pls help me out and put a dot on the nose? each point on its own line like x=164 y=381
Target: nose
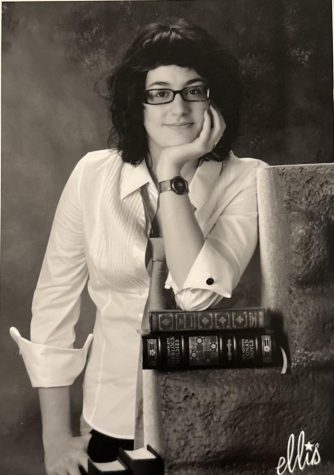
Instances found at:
x=179 y=105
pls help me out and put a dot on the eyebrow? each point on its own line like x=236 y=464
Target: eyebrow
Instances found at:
x=163 y=83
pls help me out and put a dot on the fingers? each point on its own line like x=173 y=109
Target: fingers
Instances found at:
x=73 y=462
x=73 y=467
x=75 y=470
x=79 y=459
x=212 y=129
x=218 y=126
x=83 y=461
x=204 y=136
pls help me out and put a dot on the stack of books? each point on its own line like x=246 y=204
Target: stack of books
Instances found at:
x=130 y=462
x=228 y=338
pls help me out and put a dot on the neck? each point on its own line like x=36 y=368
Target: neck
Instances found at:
x=152 y=161
x=152 y=166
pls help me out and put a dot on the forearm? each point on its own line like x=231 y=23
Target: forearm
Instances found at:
x=183 y=237
x=56 y=413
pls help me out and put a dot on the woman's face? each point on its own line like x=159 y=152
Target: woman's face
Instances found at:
x=176 y=122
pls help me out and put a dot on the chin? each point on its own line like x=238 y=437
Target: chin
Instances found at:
x=174 y=139
x=175 y=142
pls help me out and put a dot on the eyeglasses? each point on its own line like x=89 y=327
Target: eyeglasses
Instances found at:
x=189 y=94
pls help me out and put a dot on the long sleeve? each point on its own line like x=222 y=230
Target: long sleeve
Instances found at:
x=229 y=245
x=49 y=357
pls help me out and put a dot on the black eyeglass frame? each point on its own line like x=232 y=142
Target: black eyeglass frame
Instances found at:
x=180 y=91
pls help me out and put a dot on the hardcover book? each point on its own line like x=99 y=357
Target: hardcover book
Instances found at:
x=189 y=350
x=142 y=461
x=226 y=319
x=116 y=467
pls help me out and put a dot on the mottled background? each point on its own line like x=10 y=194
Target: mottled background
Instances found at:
x=54 y=59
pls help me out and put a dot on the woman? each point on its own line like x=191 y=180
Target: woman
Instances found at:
x=174 y=100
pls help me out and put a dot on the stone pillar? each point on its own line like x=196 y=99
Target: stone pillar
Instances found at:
x=238 y=422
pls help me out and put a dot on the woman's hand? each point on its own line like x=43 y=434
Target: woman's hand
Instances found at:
x=173 y=158
x=65 y=454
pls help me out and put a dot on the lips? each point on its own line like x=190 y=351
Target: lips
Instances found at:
x=181 y=124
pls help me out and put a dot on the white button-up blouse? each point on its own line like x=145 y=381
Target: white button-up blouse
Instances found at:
x=99 y=233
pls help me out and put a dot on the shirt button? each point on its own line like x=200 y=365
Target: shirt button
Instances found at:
x=209 y=281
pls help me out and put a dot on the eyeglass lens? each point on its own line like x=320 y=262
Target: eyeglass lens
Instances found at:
x=189 y=94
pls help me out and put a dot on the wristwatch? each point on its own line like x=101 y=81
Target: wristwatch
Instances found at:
x=177 y=184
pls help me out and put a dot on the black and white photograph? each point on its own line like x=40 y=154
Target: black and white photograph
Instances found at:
x=167 y=237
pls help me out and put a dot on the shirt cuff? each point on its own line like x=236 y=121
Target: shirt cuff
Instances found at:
x=211 y=271
x=196 y=299
x=50 y=366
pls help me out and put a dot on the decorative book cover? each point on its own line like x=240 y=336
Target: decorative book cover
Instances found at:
x=194 y=350
x=225 y=319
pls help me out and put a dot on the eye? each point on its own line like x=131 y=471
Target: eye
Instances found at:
x=196 y=90
x=158 y=96
x=159 y=93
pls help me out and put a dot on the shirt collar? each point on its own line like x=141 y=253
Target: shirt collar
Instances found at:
x=134 y=177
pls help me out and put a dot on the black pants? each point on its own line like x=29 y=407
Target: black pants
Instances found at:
x=103 y=448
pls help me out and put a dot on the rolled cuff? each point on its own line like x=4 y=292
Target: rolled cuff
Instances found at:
x=211 y=271
x=50 y=366
x=197 y=300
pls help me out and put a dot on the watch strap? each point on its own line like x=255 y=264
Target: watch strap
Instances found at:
x=177 y=184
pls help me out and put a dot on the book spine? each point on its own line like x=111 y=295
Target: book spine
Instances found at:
x=178 y=351
x=228 y=319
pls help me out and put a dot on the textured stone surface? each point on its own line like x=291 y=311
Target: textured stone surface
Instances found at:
x=247 y=469
x=239 y=421
x=223 y=416
x=296 y=218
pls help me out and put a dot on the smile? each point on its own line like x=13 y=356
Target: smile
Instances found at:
x=183 y=124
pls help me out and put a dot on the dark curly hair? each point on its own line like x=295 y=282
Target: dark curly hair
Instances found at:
x=173 y=43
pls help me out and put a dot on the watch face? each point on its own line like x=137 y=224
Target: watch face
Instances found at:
x=179 y=185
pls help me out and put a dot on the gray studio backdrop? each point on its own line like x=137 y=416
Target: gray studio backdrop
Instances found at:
x=54 y=58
